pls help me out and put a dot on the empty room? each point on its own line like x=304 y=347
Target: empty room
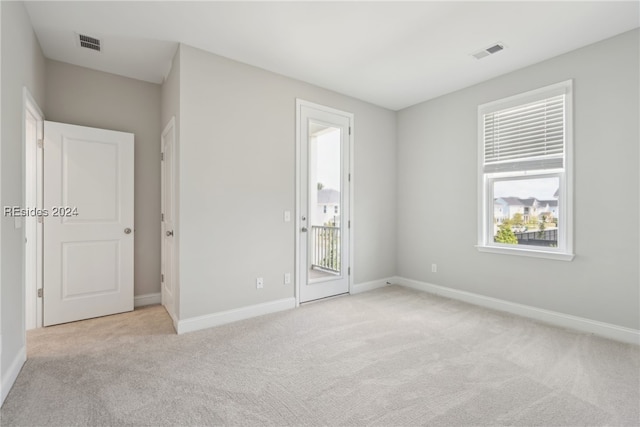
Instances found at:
x=320 y=213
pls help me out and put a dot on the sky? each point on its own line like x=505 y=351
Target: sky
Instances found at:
x=540 y=188
x=329 y=159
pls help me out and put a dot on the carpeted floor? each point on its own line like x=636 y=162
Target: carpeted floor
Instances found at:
x=388 y=357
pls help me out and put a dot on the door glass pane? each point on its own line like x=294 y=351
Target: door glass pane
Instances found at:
x=325 y=201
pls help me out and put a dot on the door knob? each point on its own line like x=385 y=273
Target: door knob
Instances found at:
x=169 y=233
x=127 y=230
x=304 y=229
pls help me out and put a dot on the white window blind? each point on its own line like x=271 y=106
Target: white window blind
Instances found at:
x=525 y=137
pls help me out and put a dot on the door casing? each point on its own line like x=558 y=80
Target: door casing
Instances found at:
x=32 y=197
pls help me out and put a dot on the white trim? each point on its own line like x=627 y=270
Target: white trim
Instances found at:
x=223 y=317
x=533 y=253
x=485 y=243
x=352 y=197
x=369 y=286
x=12 y=373
x=147 y=299
x=34 y=304
x=351 y=217
x=607 y=330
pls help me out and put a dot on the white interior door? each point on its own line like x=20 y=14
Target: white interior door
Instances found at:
x=168 y=219
x=88 y=230
x=324 y=219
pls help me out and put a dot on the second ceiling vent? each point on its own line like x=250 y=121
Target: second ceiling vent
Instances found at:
x=89 y=42
x=489 y=51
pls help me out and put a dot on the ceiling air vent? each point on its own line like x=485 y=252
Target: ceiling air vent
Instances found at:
x=488 y=51
x=89 y=42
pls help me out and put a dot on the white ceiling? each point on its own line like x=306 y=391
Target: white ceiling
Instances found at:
x=392 y=54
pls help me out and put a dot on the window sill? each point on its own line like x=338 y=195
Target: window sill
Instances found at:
x=561 y=256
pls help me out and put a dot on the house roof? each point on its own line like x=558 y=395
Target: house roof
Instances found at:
x=529 y=202
x=328 y=196
x=511 y=201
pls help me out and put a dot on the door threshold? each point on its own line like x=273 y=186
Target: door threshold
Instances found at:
x=325 y=298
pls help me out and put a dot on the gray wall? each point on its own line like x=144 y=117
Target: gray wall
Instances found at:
x=85 y=97
x=237 y=154
x=437 y=190
x=22 y=65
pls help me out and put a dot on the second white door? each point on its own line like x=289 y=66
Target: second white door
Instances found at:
x=168 y=249
x=324 y=219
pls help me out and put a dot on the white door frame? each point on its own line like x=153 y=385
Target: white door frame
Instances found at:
x=299 y=141
x=32 y=198
x=171 y=306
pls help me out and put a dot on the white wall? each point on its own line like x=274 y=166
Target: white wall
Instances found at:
x=85 y=97
x=237 y=157
x=22 y=65
x=437 y=166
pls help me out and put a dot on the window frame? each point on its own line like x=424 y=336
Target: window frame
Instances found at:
x=486 y=180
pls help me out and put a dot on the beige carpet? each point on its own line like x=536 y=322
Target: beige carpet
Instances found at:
x=389 y=357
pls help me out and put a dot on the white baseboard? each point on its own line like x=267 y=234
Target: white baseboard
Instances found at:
x=369 y=286
x=223 y=317
x=607 y=330
x=12 y=373
x=147 y=299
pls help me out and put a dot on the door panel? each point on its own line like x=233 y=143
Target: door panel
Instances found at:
x=324 y=202
x=168 y=219
x=88 y=232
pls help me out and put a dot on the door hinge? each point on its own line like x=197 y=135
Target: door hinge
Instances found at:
x=161 y=217
x=162 y=278
x=40 y=143
x=161 y=156
x=40 y=293
x=349 y=224
x=349 y=177
x=349 y=130
x=349 y=271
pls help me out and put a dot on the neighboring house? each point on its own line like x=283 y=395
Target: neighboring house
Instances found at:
x=505 y=208
x=549 y=208
x=328 y=206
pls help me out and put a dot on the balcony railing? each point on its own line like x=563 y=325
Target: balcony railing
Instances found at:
x=326 y=248
x=538 y=238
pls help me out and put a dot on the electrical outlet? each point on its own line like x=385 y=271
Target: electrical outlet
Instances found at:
x=287 y=278
x=259 y=283
x=434 y=268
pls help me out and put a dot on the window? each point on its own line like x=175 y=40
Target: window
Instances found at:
x=524 y=174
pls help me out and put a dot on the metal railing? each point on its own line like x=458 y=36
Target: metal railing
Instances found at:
x=538 y=238
x=326 y=248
